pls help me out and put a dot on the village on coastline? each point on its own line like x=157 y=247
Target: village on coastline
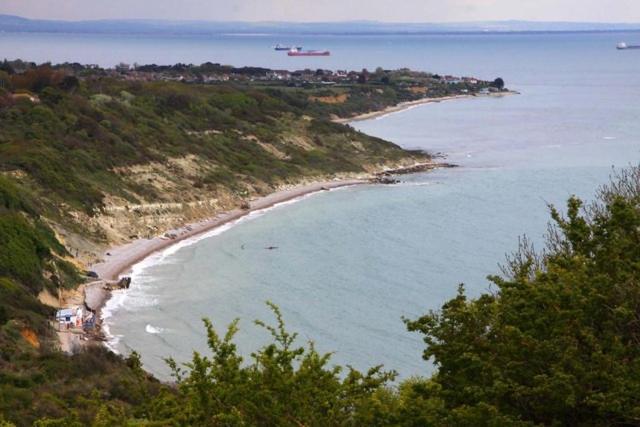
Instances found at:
x=215 y=72
x=410 y=85
x=322 y=95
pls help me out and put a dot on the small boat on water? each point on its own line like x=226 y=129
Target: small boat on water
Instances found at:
x=287 y=48
x=298 y=52
x=623 y=46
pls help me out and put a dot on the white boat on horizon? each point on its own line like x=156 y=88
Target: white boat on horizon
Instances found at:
x=286 y=48
x=623 y=46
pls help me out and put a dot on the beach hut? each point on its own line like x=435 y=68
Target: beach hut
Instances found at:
x=69 y=318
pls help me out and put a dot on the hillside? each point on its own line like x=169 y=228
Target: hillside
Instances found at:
x=89 y=157
x=110 y=158
x=555 y=343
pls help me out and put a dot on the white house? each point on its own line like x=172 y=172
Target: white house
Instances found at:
x=70 y=318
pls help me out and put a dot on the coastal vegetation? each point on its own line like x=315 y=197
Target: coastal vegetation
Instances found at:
x=102 y=153
x=76 y=141
x=72 y=139
x=35 y=378
x=555 y=342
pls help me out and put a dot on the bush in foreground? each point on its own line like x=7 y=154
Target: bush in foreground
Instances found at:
x=558 y=343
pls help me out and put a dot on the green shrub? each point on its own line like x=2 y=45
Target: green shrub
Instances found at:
x=557 y=342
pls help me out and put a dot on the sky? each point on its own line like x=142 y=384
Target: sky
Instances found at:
x=330 y=10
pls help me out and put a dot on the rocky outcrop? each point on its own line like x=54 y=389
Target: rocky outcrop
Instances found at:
x=389 y=176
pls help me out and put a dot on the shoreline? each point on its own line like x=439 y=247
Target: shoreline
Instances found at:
x=410 y=104
x=120 y=259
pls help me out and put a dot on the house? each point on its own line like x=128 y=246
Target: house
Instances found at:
x=278 y=75
x=70 y=318
x=122 y=67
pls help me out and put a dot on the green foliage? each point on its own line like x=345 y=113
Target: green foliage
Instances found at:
x=17 y=302
x=69 y=421
x=557 y=344
x=22 y=250
x=285 y=385
x=92 y=386
x=110 y=415
x=71 y=143
x=63 y=150
x=11 y=199
x=26 y=243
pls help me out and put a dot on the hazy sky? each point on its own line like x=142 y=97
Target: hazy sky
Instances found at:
x=331 y=10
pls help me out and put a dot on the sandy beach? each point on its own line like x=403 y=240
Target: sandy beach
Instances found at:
x=410 y=104
x=119 y=260
x=397 y=108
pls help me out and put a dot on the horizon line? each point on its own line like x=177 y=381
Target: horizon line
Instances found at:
x=348 y=21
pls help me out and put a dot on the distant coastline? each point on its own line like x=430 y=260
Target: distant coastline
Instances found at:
x=12 y=23
x=396 y=108
x=410 y=104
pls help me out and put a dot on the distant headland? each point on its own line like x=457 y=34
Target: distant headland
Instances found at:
x=11 y=23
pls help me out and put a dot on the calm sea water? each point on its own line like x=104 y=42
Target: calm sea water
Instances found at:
x=352 y=262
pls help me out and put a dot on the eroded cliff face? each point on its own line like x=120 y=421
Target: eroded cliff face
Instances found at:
x=112 y=161
x=176 y=200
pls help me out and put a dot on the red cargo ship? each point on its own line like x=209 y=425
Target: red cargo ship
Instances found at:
x=296 y=52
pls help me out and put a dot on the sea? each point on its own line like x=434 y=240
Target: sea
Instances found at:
x=350 y=264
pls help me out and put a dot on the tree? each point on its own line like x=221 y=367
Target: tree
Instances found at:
x=557 y=343
x=5 y=80
x=363 y=77
x=498 y=83
x=36 y=79
x=6 y=67
x=286 y=384
x=69 y=83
